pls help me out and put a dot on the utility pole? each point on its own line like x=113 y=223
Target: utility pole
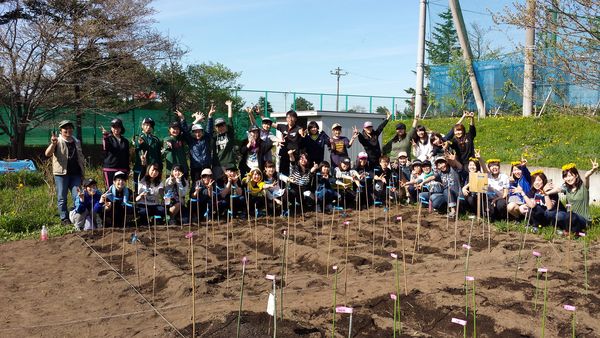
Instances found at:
x=463 y=38
x=338 y=72
x=420 y=60
x=529 y=59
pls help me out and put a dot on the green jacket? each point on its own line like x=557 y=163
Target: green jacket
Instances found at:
x=153 y=145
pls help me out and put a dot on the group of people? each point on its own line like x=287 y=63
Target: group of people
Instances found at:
x=280 y=169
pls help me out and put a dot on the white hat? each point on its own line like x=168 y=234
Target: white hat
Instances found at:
x=336 y=125
x=197 y=127
x=206 y=171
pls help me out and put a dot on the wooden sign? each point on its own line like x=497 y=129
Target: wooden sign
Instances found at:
x=478 y=182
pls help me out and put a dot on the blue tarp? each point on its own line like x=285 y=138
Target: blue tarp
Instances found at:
x=14 y=166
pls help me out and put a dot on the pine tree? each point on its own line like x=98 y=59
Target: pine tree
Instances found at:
x=444 y=40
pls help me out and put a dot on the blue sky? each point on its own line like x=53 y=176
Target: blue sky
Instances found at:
x=293 y=45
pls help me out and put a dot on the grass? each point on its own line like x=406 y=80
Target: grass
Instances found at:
x=549 y=141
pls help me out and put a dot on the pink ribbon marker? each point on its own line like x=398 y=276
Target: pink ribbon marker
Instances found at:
x=537 y=254
x=189 y=235
x=398 y=218
x=346 y=222
x=394 y=256
x=568 y=206
x=569 y=307
x=244 y=260
x=543 y=270
x=343 y=309
x=581 y=234
x=270 y=277
x=393 y=296
x=469 y=278
x=334 y=267
x=459 y=321
x=466 y=246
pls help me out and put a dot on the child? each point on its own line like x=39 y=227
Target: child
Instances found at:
x=231 y=195
x=339 y=144
x=146 y=146
x=410 y=185
x=114 y=204
x=199 y=143
x=256 y=195
x=299 y=185
x=223 y=144
x=346 y=179
x=402 y=170
x=150 y=194
x=176 y=188
x=203 y=194
x=81 y=216
x=497 y=190
x=326 y=194
x=448 y=186
x=365 y=185
x=541 y=205
x=174 y=146
x=116 y=151
x=383 y=182
x=314 y=143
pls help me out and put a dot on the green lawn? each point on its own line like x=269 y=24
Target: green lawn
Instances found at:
x=549 y=141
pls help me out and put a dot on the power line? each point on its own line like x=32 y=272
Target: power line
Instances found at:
x=338 y=72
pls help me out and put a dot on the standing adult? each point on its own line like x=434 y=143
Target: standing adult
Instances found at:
x=224 y=141
x=369 y=139
x=67 y=166
x=291 y=136
x=402 y=140
x=200 y=143
x=116 y=151
x=147 y=146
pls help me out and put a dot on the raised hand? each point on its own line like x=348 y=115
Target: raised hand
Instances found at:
x=198 y=116
x=594 y=164
x=477 y=153
x=143 y=157
x=388 y=114
x=53 y=138
x=179 y=114
x=523 y=160
x=249 y=110
x=104 y=131
x=80 y=194
x=212 y=110
x=228 y=103
x=354 y=132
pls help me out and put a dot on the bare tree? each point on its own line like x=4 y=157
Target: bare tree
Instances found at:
x=481 y=46
x=65 y=56
x=571 y=36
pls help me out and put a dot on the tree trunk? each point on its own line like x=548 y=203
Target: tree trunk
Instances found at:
x=17 y=142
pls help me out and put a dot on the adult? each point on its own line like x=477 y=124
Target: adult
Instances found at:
x=369 y=138
x=265 y=131
x=291 y=135
x=223 y=144
x=314 y=143
x=461 y=141
x=116 y=151
x=497 y=190
x=199 y=143
x=402 y=140
x=422 y=145
x=577 y=194
x=67 y=166
x=147 y=148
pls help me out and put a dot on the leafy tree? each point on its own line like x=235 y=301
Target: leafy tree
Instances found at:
x=302 y=104
x=261 y=105
x=212 y=82
x=569 y=31
x=444 y=40
x=59 y=56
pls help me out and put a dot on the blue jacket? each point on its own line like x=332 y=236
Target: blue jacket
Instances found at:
x=200 y=150
x=88 y=202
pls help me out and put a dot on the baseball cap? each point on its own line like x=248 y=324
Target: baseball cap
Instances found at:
x=336 y=125
x=231 y=167
x=174 y=124
x=89 y=181
x=118 y=123
x=64 y=123
x=120 y=174
x=416 y=162
x=206 y=171
x=253 y=127
x=440 y=159
x=400 y=126
x=197 y=127
x=367 y=124
x=148 y=120
x=402 y=153
x=426 y=163
x=267 y=120
x=346 y=160
x=362 y=154
x=219 y=121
